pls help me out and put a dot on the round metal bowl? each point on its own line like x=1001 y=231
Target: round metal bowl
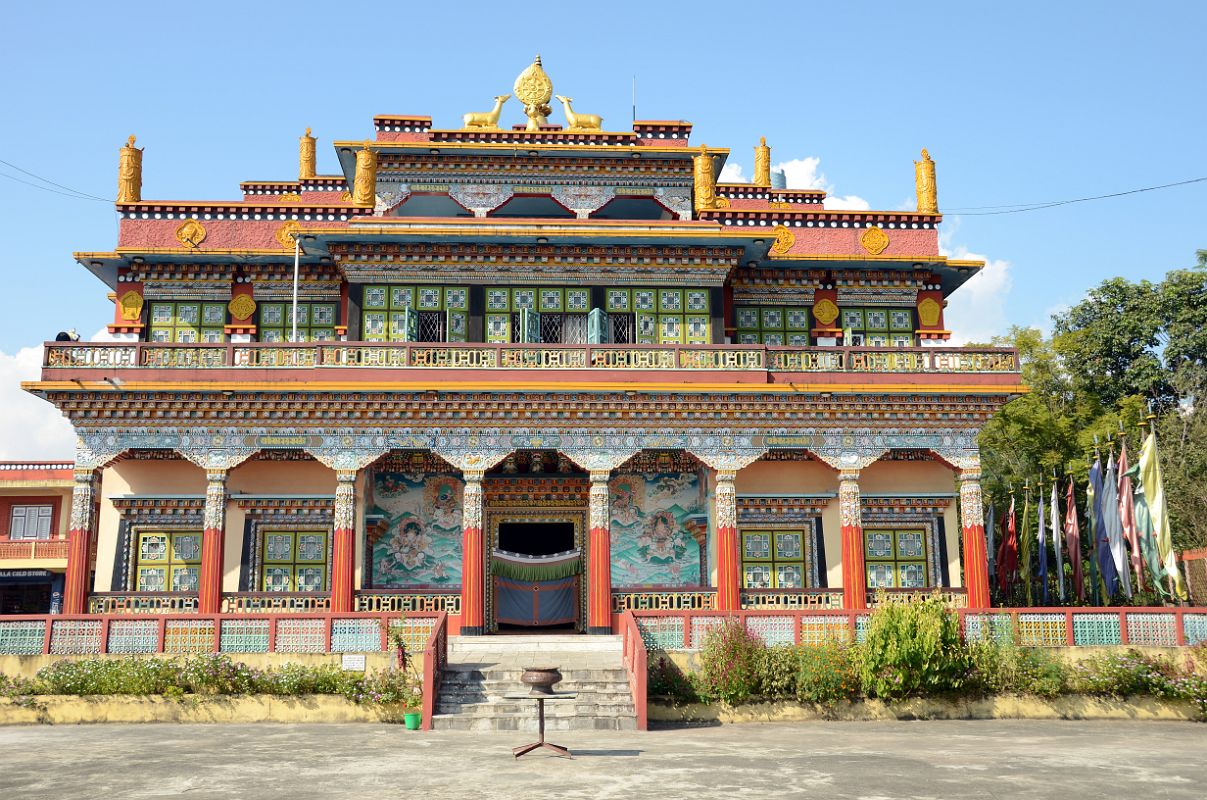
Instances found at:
x=540 y=680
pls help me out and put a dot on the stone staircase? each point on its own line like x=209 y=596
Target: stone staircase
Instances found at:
x=481 y=670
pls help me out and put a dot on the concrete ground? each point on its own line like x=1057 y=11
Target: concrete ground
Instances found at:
x=871 y=760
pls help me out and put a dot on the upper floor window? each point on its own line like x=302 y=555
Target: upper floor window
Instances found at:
x=294 y=561
x=552 y=314
x=30 y=522
x=391 y=313
x=879 y=327
x=895 y=559
x=773 y=325
x=168 y=561
x=658 y=316
x=316 y=322
x=773 y=559
x=187 y=322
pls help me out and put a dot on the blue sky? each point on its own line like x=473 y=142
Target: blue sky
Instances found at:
x=1017 y=102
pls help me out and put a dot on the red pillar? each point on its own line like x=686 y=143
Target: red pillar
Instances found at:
x=79 y=538
x=343 y=543
x=473 y=557
x=976 y=560
x=599 y=556
x=729 y=594
x=854 y=573
x=209 y=589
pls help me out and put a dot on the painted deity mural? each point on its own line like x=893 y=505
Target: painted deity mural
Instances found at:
x=659 y=529
x=421 y=545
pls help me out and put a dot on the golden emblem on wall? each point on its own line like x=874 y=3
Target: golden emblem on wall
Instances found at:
x=289 y=197
x=131 y=304
x=825 y=312
x=784 y=239
x=874 y=240
x=928 y=312
x=241 y=307
x=191 y=233
x=534 y=89
x=345 y=197
x=286 y=232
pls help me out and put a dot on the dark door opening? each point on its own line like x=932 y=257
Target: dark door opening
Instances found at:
x=536 y=538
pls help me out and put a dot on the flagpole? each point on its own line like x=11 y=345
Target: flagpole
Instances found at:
x=297 y=255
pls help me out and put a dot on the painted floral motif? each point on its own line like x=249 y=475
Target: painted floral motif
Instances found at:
x=658 y=523
x=422 y=542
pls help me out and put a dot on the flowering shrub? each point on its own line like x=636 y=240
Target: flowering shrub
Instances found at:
x=827 y=673
x=913 y=649
x=1002 y=668
x=729 y=662
x=1122 y=674
x=776 y=670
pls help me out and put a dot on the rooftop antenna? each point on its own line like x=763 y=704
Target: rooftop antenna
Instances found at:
x=634 y=98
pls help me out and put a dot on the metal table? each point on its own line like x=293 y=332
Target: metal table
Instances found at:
x=540 y=711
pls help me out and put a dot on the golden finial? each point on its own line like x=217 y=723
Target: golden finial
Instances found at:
x=129 y=173
x=364 y=187
x=306 y=156
x=706 y=187
x=762 y=163
x=534 y=89
x=924 y=184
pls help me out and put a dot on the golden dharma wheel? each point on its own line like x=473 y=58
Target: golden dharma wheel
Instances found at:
x=533 y=87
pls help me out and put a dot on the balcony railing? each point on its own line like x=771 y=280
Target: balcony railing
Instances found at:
x=371 y=355
x=34 y=549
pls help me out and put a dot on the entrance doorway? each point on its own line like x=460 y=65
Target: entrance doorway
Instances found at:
x=536 y=572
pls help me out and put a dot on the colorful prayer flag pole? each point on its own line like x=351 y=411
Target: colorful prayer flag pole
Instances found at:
x=1053 y=517
x=1102 y=550
x=1041 y=539
x=1073 y=540
x=1114 y=526
x=1154 y=495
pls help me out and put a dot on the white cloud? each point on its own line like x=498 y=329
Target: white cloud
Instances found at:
x=803 y=173
x=30 y=427
x=850 y=202
x=732 y=172
x=975 y=312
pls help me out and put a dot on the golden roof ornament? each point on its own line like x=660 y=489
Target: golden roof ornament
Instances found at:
x=534 y=89
x=364 y=187
x=762 y=163
x=129 y=174
x=705 y=180
x=485 y=119
x=306 y=156
x=924 y=184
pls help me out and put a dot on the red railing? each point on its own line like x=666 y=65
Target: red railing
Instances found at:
x=634 y=655
x=33 y=549
x=435 y=656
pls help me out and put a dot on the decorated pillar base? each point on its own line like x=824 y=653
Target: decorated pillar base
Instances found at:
x=79 y=537
x=599 y=557
x=343 y=544
x=854 y=572
x=209 y=586
x=729 y=595
x=976 y=559
x=473 y=557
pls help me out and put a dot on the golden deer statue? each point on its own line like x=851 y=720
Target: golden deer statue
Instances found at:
x=579 y=122
x=486 y=119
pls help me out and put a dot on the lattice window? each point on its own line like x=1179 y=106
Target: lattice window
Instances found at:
x=700 y=628
x=1041 y=630
x=356 y=636
x=818 y=630
x=294 y=561
x=187 y=322
x=561 y=312
x=188 y=636
x=661 y=633
x=316 y=322
x=22 y=637
x=168 y=561
x=133 y=636
x=1096 y=629
x=774 y=559
x=980 y=627
x=1154 y=630
x=773 y=325
x=659 y=316
x=75 y=637
x=895 y=559
x=773 y=630
x=397 y=313
x=415 y=632
x=878 y=327
x=244 y=636
x=1195 y=626
x=301 y=636
x=30 y=522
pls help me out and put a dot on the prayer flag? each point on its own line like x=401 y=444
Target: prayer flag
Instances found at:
x=1102 y=548
x=1127 y=515
x=1154 y=496
x=1073 y=540
x=1040 y=538
x=1053 y=517
x=1007 y=557
x=1114 y=526
x=989 y=524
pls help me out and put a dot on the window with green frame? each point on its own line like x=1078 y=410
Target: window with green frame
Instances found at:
x=398 y=313
x=659 y=316
x=294 y=561
x=773 y=325
x=316 y=322
x=562 y=314
x=879 y=327
x=773 y=559
x=895 y=559
x=187 y=322
x=168 y=561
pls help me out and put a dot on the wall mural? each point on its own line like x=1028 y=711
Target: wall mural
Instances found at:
x=659 y=529
x=421 y=545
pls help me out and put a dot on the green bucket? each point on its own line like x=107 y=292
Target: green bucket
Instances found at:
x=413 y=719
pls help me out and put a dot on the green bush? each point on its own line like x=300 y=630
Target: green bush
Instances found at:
x=1122 y=674
x=776 y=671
x=1002 y=668
x=827 y=673
x=729 y=662
x=913 y=649
x=665 y=679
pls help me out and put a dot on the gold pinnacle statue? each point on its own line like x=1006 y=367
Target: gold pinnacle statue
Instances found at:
x=129 y=174
x=762 y=163
x=706 y=186
x=534 y=89
x=364 y=187
x=306 y=156
x=924 y=184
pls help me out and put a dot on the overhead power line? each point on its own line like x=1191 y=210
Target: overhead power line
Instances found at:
x=69 y=192
x=976 y=211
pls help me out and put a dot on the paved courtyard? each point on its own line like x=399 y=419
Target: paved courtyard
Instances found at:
x=837 y=760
